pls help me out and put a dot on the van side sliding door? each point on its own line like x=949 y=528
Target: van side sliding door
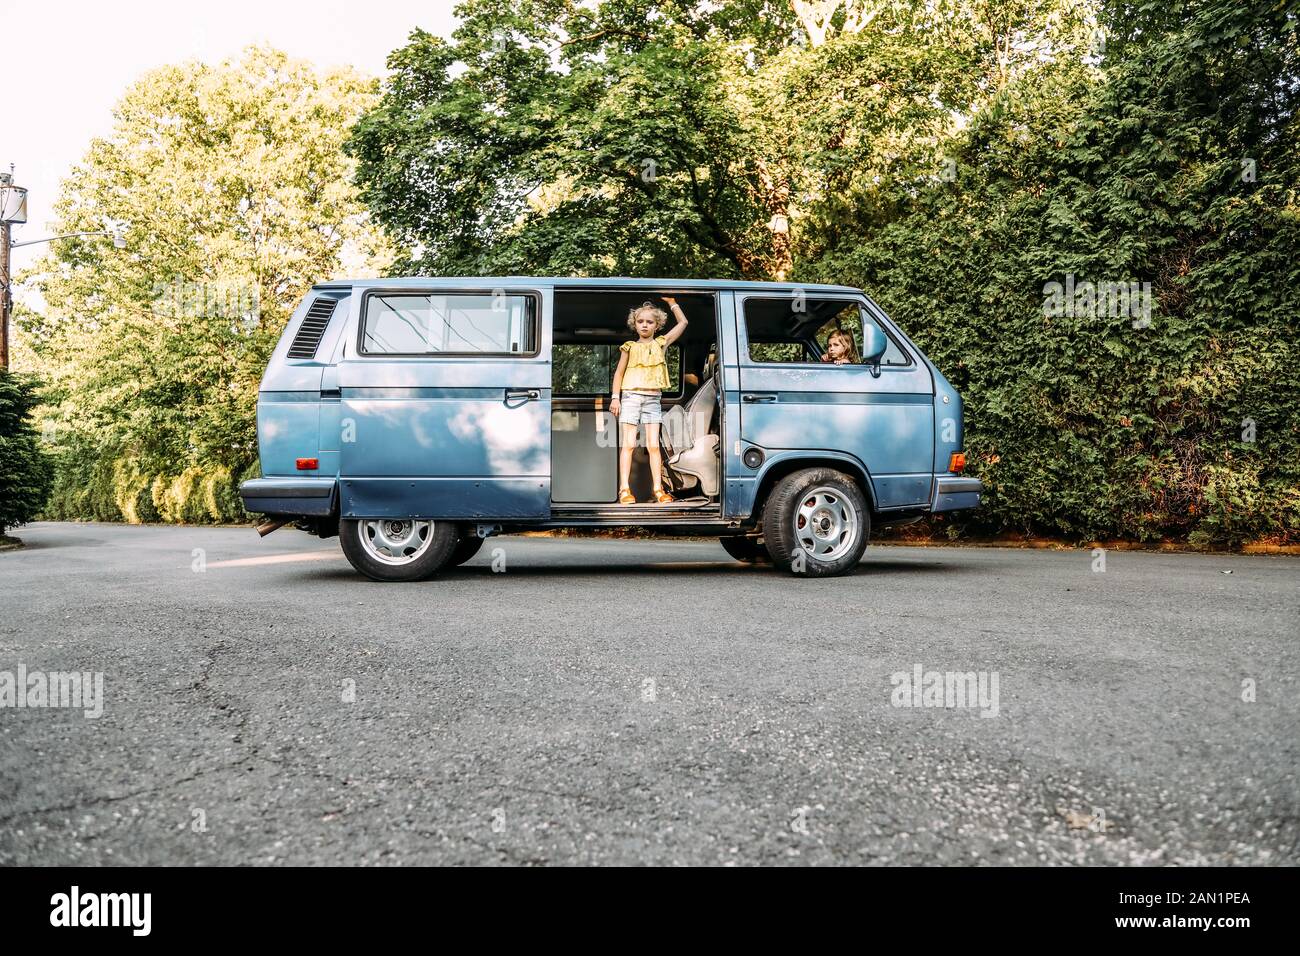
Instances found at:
x=446 y=405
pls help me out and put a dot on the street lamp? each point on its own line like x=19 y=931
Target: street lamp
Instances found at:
x=13 y=212
x=118 y=232
x=13 y=200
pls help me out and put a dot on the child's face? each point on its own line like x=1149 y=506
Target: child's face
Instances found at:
x=836 y=348
x=645 y=324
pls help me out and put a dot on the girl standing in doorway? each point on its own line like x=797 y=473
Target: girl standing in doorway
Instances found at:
x=639 y=382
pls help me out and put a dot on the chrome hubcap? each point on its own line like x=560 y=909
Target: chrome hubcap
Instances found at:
x=826 y=524
x=396 y=542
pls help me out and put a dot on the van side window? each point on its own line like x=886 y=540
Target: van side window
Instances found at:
x=798 y=329
x=413 y=323
x=588 y=368
x=850 y=319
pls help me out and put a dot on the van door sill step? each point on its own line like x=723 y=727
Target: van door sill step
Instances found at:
x=676 y=521
x=642 y=509
x=699 y=502
x=638 y=511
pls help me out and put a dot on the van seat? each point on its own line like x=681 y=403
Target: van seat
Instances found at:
x=695 y=448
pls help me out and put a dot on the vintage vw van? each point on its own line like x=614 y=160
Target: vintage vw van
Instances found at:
x=417 y=417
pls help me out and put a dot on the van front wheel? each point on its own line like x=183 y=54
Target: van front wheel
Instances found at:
x=816 y=523
x=397 y=549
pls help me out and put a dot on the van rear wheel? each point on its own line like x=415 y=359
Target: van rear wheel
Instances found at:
x=397 y=549
x=816 y=523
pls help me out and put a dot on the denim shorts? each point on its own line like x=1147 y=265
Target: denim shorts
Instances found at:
x=640 y=408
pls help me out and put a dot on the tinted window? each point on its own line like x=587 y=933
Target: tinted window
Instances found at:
x=403 y=323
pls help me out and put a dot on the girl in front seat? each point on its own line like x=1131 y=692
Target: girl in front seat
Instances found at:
x=639 y=381
x=840 y=349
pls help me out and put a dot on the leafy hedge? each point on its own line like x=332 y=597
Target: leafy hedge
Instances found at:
x=88 y=488
x=1180 y=168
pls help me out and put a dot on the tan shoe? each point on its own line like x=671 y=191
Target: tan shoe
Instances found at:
x=663 y=497
x=625 y=496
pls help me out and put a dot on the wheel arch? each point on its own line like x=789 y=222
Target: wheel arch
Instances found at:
x=780 y=467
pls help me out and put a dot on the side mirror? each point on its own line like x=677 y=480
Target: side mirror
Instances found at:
x=874 y=343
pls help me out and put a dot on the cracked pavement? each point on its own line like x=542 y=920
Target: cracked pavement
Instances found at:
x=611 y=701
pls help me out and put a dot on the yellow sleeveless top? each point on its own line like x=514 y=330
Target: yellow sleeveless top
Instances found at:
x=647 y=370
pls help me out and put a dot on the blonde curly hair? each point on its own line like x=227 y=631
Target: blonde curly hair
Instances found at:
x=661 y=317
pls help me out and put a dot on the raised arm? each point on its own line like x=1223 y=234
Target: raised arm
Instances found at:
x=676 y=331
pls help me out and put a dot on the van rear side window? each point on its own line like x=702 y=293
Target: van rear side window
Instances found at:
x=406 y=323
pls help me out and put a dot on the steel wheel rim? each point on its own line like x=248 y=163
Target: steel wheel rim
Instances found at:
x=394 y=542
x=826 y=524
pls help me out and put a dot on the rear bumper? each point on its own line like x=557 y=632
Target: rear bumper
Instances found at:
x=952 y=493
x=290 y=496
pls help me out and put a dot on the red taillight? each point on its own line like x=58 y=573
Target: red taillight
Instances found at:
x=308 y=464
x=957 y=463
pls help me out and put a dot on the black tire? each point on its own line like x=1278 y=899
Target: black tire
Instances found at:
x=805 y=506
x=745 y=549
x=426 y=557
x=466 y=548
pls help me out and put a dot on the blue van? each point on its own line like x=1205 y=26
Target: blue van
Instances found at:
x=416 y=417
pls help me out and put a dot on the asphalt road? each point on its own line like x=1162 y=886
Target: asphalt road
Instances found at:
x=598 y=701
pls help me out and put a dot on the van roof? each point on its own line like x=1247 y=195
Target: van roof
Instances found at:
x=560 y=282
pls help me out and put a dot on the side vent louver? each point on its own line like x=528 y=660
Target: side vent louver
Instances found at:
x=313 y=327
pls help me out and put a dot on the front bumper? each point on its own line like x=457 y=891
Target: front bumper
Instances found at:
x=316 y=497
x=953 y=493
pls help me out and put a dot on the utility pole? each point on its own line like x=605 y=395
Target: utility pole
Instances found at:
x=13 y=209
x=4 y=295
x=6 y=180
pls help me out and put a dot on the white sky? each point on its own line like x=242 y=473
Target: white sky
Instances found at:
x=64 y=63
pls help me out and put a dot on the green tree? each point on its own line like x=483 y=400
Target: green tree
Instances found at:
x=24 y=467
x=570 y=138
x=670 y=137
x=239 y=198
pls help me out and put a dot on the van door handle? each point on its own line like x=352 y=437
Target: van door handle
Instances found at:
x=758 y=397
x=527 y=394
